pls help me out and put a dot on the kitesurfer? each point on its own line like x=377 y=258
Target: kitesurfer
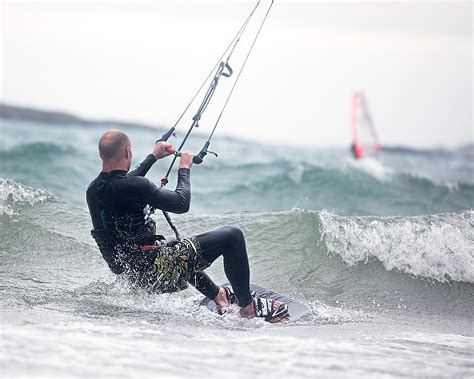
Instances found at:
x=120 y=203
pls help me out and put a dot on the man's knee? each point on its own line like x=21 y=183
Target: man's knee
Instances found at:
x=233 y=233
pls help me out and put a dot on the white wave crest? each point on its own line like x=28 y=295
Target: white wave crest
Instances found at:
x=13 y=194
x=439 y=247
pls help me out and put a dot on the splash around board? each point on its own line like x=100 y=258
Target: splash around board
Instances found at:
x=296 y=309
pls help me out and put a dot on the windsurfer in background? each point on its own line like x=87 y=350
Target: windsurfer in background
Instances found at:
x=357 y=150
x=120 y=203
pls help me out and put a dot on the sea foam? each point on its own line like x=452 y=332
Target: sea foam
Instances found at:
x=439 y=247
x=14 y=195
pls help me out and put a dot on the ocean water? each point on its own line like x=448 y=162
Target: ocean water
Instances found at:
x=381 y=251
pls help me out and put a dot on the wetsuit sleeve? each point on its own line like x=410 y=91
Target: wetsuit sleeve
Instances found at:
x=177 y=201
x=143 y=167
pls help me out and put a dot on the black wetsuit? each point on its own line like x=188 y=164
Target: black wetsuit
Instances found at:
x=120 y=206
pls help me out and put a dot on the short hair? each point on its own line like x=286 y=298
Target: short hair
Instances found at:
x=112 y=143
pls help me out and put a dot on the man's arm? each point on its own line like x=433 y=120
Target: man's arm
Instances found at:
x=177 y=201
x=159 y=151
x=143 y=167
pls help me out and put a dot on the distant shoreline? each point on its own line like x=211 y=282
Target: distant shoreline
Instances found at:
x=12 y=112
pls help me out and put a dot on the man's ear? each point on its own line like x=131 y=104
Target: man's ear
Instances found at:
x=128 y=152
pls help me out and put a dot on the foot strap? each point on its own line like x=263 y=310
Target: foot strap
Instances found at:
x=264 y=308
x=231 y=295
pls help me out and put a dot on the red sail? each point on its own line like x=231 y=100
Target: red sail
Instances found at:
x=364 y=135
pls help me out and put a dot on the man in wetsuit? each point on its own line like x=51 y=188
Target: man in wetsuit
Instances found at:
x=120 y=203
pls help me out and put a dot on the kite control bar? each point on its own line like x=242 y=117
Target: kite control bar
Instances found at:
x=198 y=158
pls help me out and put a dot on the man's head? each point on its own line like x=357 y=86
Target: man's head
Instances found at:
x=115 y=150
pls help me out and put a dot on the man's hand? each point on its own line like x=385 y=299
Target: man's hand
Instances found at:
x=159 y=151
x=186 y=160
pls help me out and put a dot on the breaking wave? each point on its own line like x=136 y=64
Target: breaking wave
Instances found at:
x=439 y=247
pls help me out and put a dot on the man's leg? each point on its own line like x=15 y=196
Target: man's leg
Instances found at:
x=229 y=242
x=204 y=284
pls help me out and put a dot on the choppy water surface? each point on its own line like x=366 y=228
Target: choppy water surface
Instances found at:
x=382 y=251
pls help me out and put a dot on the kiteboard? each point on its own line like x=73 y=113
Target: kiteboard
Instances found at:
x=296 y=309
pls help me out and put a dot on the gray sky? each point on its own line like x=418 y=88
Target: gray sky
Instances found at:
x=142 y=61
